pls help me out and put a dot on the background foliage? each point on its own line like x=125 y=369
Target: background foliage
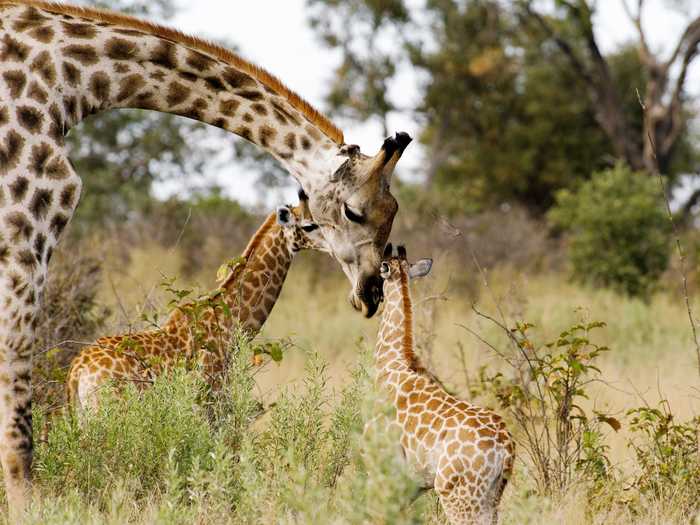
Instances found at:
x=619 y=230
x=521 y=182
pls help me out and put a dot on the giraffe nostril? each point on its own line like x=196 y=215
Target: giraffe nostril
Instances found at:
x=377 y=296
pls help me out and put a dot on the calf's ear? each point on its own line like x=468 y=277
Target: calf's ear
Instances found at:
x=420 y=268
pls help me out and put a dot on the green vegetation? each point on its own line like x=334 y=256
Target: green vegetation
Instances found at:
x=177 y=453
x=619 y=230
x=286 y=442
x=517 y=99
x=605 y=415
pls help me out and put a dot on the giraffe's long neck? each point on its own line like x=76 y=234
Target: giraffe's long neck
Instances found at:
x=394 y=354
x=253 y=287
x=87 y=61
x=250 y=291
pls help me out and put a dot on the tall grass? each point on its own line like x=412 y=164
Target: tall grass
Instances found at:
x=285 y=443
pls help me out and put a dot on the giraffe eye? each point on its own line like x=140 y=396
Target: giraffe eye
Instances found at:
x=353 y=216
x=308 y=228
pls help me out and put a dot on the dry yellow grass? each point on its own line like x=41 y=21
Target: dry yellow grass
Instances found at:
x=652 y=355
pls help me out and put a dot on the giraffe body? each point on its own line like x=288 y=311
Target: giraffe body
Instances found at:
x=461 y=450
x=61 y=63
x=201 y=336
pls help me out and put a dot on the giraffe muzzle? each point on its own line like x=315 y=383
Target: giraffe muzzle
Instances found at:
x=370 y=296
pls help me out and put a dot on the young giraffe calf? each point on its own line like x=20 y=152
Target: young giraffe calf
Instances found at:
x=200 y=336
x=461 y=450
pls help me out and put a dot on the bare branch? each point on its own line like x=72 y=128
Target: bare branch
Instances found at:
x=681 y=257
x=688 y=40
x=564 y=46
x=636 y=19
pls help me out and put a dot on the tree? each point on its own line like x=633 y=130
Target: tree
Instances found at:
x=511 y=111
x=619 y=230
x=663 y=93
x=503 y=120
x=360 y=29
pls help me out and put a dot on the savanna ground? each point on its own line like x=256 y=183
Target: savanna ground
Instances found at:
x=284 y=443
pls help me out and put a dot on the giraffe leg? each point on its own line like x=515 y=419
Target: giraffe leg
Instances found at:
x=463 y=508
x=464 y=495
x=501 y=481
x=18 y=297
x=31 y=221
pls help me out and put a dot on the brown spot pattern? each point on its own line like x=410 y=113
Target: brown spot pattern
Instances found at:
x=13 y=50
x=177 y=94
x=215 y=83
x=229 y=107
x=67 y=197
x=16 y=81
x=120 y=49
x=260 y=109
x=10 y=151
x=237 y=79
x=43 y=66
x=37 y=93
x=43 y=34
x=85 y=54
x=199 y=61
x=267 y=135
x=164 y=55
x=100 y=86
x=39 y=157
x=71 y=74
x=250 y=94
x=18 y=189
x=128 y=87
x=79 y=30
x=19 y=226
x=58 y=224
x=290 y=140
x=40 y=203
x=57 y=169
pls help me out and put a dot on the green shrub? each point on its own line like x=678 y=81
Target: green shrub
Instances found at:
x=177 y=453
x=128 y=439
x=668 y=457
x=618 y=230
x=562 y=441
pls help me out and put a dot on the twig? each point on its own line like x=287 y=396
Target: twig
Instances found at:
x=679 y=246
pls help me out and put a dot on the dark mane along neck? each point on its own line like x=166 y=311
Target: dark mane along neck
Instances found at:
x=409 y=354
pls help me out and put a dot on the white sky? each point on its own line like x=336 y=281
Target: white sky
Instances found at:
x=274 y=34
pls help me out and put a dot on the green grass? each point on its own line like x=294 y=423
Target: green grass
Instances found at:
x=178 y=454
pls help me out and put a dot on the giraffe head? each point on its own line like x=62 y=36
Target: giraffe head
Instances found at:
x=355 y=210
x=394 y=267
x=298 y=227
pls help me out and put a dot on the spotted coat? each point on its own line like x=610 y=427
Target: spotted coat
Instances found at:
x=199 y=333
x=61 y=63
x=461 y=450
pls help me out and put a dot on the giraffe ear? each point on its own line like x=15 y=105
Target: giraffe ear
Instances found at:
x=420 y=268
x=384 y=270
x=285 y=217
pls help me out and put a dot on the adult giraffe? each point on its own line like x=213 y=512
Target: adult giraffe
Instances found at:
x=61 y=63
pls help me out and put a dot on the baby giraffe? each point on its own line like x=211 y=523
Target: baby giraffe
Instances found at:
x=461 y=450
x=199 y=332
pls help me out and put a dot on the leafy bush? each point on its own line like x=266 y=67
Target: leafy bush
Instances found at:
x=544 y=397
x=668 y=456
x=618 y=230
x=177 y=453
x=129 y=439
